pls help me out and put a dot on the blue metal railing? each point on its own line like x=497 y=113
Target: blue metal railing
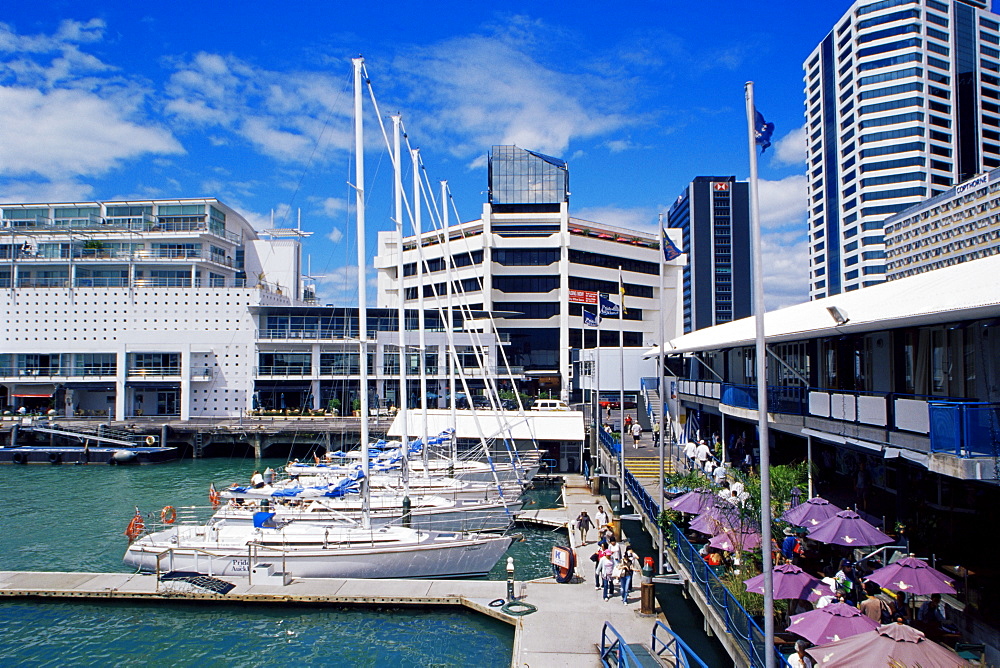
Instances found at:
x=739 y=624
x=682 y=655
x=791 y=400
x=615 y=651
x=737 y=620
x=965 y=429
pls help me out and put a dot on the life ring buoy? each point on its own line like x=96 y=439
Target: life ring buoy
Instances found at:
x=55 y=458
x=213 y=496
x=18 y=458
x=135 y=528
x=150 y=440
x=168 y=515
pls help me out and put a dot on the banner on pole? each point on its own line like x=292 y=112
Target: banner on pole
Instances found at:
x=583 y=297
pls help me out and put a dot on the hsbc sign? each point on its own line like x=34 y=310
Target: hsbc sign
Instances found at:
x=722 y=186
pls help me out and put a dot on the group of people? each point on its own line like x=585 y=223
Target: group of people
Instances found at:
x=613 y=561
x=634 y=429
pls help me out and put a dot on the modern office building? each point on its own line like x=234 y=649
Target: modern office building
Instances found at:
x=528 y=261
x=180 y=309
x=902 y=103
x=959 y=225
x=713 y=215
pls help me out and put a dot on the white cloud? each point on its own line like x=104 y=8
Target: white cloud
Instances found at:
x=786 y=271
x=783 y=202
x=65 y=133
x=634 y=218
x=484 y=90
x=791 y=149
x=24 y=190
x=334 y=206
x=335 y=235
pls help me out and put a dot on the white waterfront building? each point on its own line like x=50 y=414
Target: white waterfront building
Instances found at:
x=522 y=259
x=179 y=309
x=902 y=103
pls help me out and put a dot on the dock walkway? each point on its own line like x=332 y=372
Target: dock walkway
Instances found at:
x=564 y=631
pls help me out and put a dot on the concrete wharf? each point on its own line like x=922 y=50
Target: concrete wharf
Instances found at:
x=565 y=630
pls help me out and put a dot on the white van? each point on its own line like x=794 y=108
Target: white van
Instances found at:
x=549 y=405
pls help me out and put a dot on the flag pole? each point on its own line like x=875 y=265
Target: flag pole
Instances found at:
x=765 y=454
x=621 y=390
x=661 y=381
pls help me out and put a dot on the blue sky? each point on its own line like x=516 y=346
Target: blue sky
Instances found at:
x=250 y=102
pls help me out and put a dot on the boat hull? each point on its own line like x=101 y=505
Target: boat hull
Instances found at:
x=446 y=556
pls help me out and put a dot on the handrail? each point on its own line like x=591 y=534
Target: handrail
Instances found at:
x=623 y=655
x=683 y=656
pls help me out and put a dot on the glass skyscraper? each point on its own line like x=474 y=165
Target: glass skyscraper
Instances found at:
x=902 y=103
x=713 y=214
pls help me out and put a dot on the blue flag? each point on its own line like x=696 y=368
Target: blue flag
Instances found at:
x=762 y=130
x=589 y=319
x=670 y=251
x=609 y=309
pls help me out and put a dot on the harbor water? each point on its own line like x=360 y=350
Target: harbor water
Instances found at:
x=72 y=518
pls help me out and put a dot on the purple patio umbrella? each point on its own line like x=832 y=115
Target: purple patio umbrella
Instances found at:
x=733 y=541
x=695 y=502
x=810 y=512
x=848 y=529
x=834 y=622
x=790 y=582
x=912 y=576
x=889 y=645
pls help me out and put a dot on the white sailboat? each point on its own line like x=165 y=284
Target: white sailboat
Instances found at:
x=305 y=549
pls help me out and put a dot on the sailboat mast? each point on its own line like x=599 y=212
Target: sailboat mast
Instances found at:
x=451 y=357
x=359 y=193
x=402 y=400
x=422 y=355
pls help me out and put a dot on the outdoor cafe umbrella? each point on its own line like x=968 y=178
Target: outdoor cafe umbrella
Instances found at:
x=733 y=541
x=889 y=645
x=913 y=576
x=695 y=502
x=810 y=512
x=848 y=529
x=830 y=623
x=790 y=582
x=715 y=520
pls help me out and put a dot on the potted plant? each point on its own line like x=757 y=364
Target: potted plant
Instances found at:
x=356 y=408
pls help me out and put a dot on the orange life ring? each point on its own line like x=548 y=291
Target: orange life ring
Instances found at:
x=135 y=528
x=168 y=515
x=213 y=496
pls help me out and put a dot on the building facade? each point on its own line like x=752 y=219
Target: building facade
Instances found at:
x=713 y=215
x=522 y=259
x=959 y=225
x=902 y=102
x=179 y=309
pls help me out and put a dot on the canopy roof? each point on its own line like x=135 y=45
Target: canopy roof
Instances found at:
x=962 y=292
x=537 y=425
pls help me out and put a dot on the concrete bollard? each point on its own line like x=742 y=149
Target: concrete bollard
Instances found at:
x=510 y=578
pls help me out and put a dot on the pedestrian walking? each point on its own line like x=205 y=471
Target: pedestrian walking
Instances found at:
x=636 y=435
x=656 y=433
x=601 y=517
x=583 y=525
x=689 y=452
x=607 y=567
x=627 y=568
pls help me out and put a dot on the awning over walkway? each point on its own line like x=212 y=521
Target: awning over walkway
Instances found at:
x=41 y=391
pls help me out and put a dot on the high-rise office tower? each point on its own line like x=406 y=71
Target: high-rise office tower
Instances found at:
x=713 y=214
x=902 y=102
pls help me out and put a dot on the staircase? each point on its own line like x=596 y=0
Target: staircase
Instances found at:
x=648 y=467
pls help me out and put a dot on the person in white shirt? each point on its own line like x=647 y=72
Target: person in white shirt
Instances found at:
x=703 y=453
x=719 y=474
x=799 y=658
x=601 y=518
x=689 y=452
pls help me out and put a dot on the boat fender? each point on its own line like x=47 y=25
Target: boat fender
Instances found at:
x=518 y=608
x=55 y=458
x=150 y=440
x=168 y=515
x=18 y=458
x=497 y=602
